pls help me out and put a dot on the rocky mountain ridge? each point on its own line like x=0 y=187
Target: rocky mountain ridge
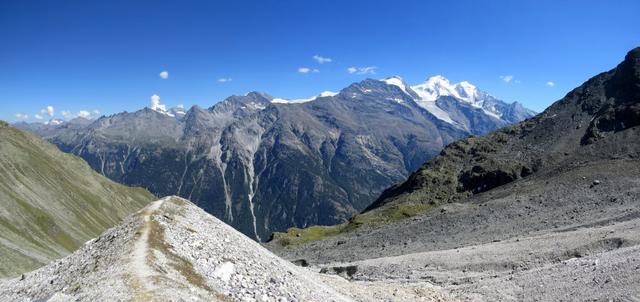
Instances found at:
x=264 y=165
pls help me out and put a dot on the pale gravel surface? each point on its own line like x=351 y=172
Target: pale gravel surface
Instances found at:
x=586 y=264
x=173 y=251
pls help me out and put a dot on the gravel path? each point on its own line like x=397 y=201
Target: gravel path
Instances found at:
x=139 y=268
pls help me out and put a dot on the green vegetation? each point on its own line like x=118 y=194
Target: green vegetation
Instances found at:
x=52 y=202
x=295 y=236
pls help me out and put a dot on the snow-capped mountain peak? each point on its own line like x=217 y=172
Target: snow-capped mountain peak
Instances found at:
x=438 y=86
x=429 y=92
x=397 y=81
x=434 y=88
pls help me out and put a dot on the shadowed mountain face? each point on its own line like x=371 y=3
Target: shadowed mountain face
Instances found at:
x=263 y=164
x=52 y=202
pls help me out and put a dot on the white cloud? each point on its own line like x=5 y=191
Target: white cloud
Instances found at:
x=21 y=116
x=155 y=103
x=308 y=70
x=84 y=114
x=67 y=114
x=38 y=116
x=96 y=112
x=321 y=59
x=50 y=110
x=181 y=106
x=224 y=80
x=362 y=70
x=164 y=74
x=550 y=84
x=507 y=78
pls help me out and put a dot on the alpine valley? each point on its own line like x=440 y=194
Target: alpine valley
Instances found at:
x=264 y=164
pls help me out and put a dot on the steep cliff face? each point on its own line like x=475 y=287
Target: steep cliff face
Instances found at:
x=264 y=164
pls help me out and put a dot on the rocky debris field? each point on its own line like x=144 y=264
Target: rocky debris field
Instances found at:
x=173 y=251
x=569 y=235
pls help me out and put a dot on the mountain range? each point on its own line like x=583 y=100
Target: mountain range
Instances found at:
x=544 y=210
x=265 y=164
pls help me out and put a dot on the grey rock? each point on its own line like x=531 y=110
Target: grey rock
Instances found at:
x=263 y=166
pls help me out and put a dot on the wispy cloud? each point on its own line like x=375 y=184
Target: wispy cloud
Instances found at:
x=21 y=116
x=224 y=80
x=507 y=78
x=164 y=74
x=84 y=114
x=550 y=84
x=67 y=114
x=38 y=116
x=321 y=59
x=49 y=110
x=307 y=70
x=362 y=70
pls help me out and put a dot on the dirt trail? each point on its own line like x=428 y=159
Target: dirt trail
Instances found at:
x=140 y=270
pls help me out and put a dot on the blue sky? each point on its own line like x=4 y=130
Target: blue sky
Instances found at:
x=108 y=55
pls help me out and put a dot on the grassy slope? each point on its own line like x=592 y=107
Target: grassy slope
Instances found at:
x=52 y=202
